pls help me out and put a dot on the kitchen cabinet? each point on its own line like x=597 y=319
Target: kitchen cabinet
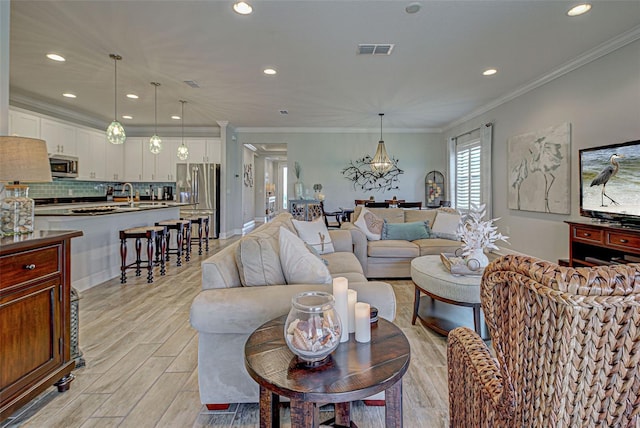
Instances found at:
x=35 y=316
x=203 y=150
x=24 y=124
x=91 y=151
x=167 y=159
x=60 y=137
x=114 y=168
x=133 y=159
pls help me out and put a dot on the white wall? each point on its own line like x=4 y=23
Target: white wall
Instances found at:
x=324 y=155
x=601 y=100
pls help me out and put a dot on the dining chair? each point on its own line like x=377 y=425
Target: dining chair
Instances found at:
x=372 y=204
x=410 y=205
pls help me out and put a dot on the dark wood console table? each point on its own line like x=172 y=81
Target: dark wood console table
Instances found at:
x=35 y=316
x=593 y=244
x=355 y=372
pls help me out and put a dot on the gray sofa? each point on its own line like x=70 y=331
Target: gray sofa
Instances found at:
x=392 y=258
x=225 y=313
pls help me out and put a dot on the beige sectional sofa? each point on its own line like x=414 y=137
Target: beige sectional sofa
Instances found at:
x=225 y=312
x=392 y=258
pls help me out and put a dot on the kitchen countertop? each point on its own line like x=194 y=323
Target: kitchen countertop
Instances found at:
x=105 y=208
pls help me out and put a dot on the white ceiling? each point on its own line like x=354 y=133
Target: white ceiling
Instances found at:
x=432 y=78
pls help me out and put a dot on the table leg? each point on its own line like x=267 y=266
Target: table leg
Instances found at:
x=343 y=414
x=416 y=305
x=393 y=406
x=304 y=414
x=269 y=409
x=476 y=319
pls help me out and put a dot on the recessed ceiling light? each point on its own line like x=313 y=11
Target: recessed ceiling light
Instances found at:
x=270 y=71
x=243 y=8
x=133 y=96
x=68 y=95
x=489 y=72
x=175 y=117
x=579 y=9
x=126 y=116
x=56 y=57
x=413 y=7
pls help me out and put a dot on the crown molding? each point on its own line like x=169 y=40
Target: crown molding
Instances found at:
x=304 y=130
x=605 y=48
x=30 y=103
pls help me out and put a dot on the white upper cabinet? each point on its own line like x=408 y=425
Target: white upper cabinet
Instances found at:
x=24 y=124
x=166 y=160
x=203 y=150
x=133 y=159
x=60 y=137
x=114 y=168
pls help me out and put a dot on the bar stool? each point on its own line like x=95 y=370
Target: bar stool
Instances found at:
x=153 y=234
x=183 y=232
x=200 y=220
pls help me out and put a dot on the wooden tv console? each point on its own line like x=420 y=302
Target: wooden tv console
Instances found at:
x=593 y=244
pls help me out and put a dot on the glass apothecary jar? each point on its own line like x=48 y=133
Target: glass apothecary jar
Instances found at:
x=312 y=329
x=16 y=211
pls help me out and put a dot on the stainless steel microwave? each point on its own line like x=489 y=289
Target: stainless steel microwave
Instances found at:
x=63 y=166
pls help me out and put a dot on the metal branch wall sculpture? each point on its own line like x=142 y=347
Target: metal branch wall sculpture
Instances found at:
x=360 y=173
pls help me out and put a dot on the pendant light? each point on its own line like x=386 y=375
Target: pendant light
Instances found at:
x=381 y=162
x=183 y=151
x=155 y=143
x=115 y=131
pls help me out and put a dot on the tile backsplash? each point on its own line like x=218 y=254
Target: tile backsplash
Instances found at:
x=65 y=188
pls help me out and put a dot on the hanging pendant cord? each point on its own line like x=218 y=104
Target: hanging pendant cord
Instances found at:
x=182 y=116
x=155 y=129
x=115 y=90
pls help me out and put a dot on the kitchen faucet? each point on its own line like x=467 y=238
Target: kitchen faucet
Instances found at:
x=130 y=198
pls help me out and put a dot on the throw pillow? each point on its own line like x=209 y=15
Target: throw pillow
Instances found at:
x=370 y=224
x=259 y=262
x=445 y=225
x=315 y=234
x=298 y=264
x=406 y=231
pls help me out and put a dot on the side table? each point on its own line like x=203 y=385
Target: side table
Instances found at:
x=354 y=372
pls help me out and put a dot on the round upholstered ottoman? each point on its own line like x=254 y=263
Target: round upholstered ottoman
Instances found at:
x=432 y=278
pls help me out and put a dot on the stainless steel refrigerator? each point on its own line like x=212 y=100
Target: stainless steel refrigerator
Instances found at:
x=199 y=184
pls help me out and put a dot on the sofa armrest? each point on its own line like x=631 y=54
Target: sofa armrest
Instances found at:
x=341 y=240
x=360 y=243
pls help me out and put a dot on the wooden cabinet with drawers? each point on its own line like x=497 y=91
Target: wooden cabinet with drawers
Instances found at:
x=35 y=290
x=592 y=244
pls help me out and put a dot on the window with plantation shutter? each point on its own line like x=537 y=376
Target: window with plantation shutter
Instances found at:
x=468 y=175
x=470 y=164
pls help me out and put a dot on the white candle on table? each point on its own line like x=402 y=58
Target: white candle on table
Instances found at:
x=340 y=286
x=352 y=298
x=363 y=326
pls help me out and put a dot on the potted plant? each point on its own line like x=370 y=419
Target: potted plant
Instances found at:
x=477 y=235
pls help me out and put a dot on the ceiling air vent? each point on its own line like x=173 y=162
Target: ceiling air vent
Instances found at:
x=192 y=83
x=375 y=49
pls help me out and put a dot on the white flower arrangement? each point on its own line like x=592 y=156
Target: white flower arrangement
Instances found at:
x=478 y=234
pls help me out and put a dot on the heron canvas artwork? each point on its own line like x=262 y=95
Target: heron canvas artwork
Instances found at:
x=539 y=170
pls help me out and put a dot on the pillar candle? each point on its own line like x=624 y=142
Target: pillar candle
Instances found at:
x=363 y=326
x=352 y=298
x=340 y=286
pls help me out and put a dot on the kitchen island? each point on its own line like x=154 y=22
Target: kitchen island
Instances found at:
x=96 y=255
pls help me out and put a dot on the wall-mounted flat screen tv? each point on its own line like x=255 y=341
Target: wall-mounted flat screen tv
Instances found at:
x=610 y=182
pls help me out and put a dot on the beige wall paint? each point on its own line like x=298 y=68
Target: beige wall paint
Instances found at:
x=324 y=155
x=601 y=100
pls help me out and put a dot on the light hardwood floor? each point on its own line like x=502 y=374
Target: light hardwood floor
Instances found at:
x=141 y=363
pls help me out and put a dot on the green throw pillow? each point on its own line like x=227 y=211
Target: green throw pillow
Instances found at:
x=406 y=231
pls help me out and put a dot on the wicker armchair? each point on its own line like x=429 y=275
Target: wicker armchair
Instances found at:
x=567 y=346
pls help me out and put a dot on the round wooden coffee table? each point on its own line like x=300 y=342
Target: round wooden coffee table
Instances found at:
x=354 y=372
